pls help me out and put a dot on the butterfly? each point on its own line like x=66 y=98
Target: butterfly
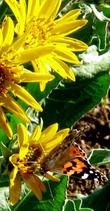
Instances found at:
x=70 y=159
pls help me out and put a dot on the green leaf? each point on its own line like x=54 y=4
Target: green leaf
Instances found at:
x=3 y=9
x=101 y=34
x=53 y=199
x=99 y=200
x=34 y=90
x=78 y=205
x=100 y=156
x=5 y=151
x=69 y=206
x=106 y=9
x=71 y=100
x=75 y=205
x=84 y=34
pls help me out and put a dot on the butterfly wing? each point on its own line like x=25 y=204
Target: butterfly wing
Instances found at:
x=72 y=162
x=56 y=160
x=82 y=169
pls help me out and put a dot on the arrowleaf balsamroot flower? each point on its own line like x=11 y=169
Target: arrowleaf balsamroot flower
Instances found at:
x=27 y=163
x=12 y=73
x=38 y=21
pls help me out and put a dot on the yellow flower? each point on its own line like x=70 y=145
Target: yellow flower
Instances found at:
x=27 y=163
x=12 y=73
x=38 y=21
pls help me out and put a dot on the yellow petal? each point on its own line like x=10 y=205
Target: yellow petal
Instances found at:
x=69 y=72
x=33 y=9
x=5 y=124
x=40 y=66
x=70 y=16
x=61 y=68
x=8 y=31
x=51 y=177
x=34 y=138
x=28 y=76
x=56 y=140
x=67 y=28
x=50 y=145
x=66 y=55
x=15 y=187
x=21 y=93
x=40 y=184
x=63 y=132
x=19 y=42
x=23 y=140
x=49 y=133
x=71 y=43
x=56 y=9
x=23 y=8
x=12 y=106
x=49 y=8
x=14 y=160
x=54 y=64
x=33 y=53
x=15 y=7
x=1 y=37
x=33 y=183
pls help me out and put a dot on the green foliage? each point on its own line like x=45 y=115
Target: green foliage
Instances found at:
x=100 y=156
x=75 y=205
x=53 y=199
x=70 y=100
x=99 y=200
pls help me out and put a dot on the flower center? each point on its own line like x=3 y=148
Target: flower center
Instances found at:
x=5 y=79
x=38 y=31
x=31 y=162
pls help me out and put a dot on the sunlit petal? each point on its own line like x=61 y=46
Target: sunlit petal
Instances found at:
x=66 y=55
x=49 y=133
x=49 y=8
x=54 y=64
x=35 y=77
x=15 y=187
x=67 y=28
x=39 y=66
x=51 y=177
x=25 y=96
x=22 y=140
x=34 y=53
x=14 y=6
x=74 y=44
x=1 y=37
x=69 y=16
x=56 y=140
x=33 y=8
x=5 y=124
x=8 y=31
x=33 y=184
x=12 y=106
x=34 y=138
x=60 y=67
